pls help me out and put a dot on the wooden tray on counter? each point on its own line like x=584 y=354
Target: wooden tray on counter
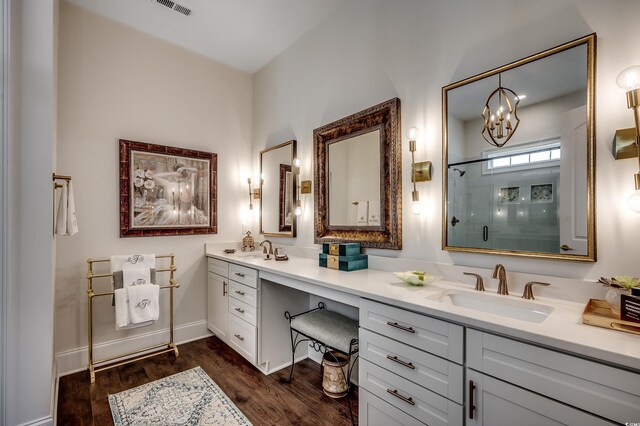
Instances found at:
x=598 y=313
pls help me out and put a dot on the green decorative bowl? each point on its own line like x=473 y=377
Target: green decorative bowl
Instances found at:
x=417 y=278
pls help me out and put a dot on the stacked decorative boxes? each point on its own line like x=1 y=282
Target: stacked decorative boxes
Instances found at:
x=343 y=256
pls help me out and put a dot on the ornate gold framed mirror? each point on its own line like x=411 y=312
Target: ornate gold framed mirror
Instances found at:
x=358 y=178
x=519 y=157
x=277 y=190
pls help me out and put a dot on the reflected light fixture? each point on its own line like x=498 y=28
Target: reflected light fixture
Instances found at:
x=500 y=115
x=629 y=80
x=420 y=172
x=298 y=206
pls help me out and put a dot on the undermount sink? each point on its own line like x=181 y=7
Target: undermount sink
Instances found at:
x=505 y=306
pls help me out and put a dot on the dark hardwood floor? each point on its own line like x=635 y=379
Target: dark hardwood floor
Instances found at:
x=265 y=400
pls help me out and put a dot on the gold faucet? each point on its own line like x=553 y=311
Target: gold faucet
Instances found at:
x=501 y=275
x=267 y=254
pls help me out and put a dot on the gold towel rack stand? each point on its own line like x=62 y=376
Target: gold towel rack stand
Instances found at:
x=105 y=364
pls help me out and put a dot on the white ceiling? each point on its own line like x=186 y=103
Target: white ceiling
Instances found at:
x=245 y=34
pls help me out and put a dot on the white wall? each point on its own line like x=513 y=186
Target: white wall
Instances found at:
x=370 y=51
x=115 y=82
x=30 y=289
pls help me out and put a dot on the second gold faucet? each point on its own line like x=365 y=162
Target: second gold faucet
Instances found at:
x=500 y=273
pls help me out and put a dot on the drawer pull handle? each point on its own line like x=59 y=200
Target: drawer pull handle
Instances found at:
x=395 y=358
x=472 y=405
x=401 y=327
x=239 y=337
x=240 y=274
x=241 y=293
x=240 y=310
x=224 y=288
x=404 y=398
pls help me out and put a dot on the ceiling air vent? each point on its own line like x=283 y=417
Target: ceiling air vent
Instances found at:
x=175 y=7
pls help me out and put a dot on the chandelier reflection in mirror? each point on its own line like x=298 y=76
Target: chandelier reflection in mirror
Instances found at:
x=500 y=115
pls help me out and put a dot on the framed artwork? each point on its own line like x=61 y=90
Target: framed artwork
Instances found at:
x=166 y=190
x=509 y=195
x=284 y=223
x=542 y=193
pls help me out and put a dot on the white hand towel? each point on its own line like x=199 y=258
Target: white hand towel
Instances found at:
x=61 y=220
x=135 y=275
x=120 y=262
x=374 y=213
x=122 y=309
x=143 y=303
x=362 y=213
x=123 y=319
x=72 y=222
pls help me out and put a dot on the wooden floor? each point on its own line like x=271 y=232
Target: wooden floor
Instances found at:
x=265 y=400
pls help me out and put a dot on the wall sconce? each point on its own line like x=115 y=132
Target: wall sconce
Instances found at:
x=302 y=187
x=420 y=172
x=297 y=210
x=629 y=80
x=254 y=194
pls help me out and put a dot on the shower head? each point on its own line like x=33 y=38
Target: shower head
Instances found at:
x=462 y=172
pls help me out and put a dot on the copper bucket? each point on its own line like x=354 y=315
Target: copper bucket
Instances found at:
x=334 y=379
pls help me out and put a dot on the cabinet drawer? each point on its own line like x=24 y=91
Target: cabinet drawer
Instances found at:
x=429 y=334
x=375 y=412
x=243 y=310
x=601 y=389
x=242 y=338
x=246 y=276
x=217 y=266
x=436 y=374
x=418 y=402
x=243 y=293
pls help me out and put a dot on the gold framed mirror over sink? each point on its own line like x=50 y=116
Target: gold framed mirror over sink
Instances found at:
x=277 y=190
x=519 y=157
x=358 y=178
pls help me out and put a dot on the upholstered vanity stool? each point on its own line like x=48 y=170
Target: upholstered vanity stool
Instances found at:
x=327 y=331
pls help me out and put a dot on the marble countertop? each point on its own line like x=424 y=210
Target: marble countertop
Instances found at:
x=562 y=329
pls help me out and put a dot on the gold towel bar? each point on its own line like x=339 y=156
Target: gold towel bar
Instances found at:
x=143 y=353
x=61 y=177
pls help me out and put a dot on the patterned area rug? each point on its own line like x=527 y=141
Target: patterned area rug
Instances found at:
x=187 y=398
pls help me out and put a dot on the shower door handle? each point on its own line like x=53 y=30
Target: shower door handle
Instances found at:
x=454 y=221
x=485 y=233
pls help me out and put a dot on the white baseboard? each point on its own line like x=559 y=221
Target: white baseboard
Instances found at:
x=75 y=360
x=44 y=421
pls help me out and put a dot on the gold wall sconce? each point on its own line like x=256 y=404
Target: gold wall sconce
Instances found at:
x=629 y=80
x=297 y=210
x=254 y=194
x=420 y=172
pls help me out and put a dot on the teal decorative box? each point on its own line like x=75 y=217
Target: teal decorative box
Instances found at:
x=341 y=249
x=344 y=263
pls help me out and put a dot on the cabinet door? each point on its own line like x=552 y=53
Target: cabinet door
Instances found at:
x=218 y=305
x=492 y=402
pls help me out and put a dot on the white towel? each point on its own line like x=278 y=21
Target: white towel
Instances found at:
x=122 y=309
x=374 y=213
x=135 y=275
x=123 y=319
x=122 y=261
x=66 y=222
x=362 y=213
x=72 y=221
x=143 y=303
x=61 y=220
